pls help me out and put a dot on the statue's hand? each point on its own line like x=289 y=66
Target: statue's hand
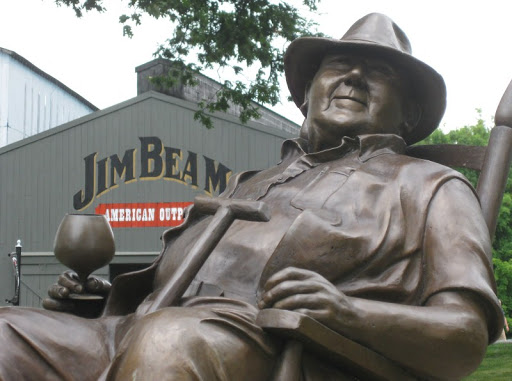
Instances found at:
x=68 y=283
x=309 y=293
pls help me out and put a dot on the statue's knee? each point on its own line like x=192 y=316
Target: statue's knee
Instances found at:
x=159 y=344
x=4 y=327
x=190 y=344
x=166 y=331
x=8 y=336
x=6 y=319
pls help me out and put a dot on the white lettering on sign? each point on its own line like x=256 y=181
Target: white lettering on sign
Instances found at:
x=146 y=214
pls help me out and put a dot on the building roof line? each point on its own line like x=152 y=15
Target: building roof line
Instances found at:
x=47 y=76
x=127 y=103
x=166 y=62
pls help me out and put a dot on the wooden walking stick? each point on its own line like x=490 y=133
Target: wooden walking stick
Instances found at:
x=225 y=212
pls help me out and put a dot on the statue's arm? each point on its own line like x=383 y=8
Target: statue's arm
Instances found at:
x=447 y=335
x=446 y=338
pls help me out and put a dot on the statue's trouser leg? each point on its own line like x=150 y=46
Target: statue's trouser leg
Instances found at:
x=42 y=345
x=195 y=344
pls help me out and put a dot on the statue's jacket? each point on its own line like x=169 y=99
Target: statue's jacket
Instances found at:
x=380 y=226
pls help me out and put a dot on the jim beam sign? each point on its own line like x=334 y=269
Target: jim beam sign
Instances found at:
x=156 y=162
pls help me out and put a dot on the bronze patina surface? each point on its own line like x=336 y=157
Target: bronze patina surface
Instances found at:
x=84 y=243
x=390 y=251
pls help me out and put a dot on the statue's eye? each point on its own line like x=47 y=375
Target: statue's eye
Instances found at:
x=382 y=68
x=338 y=62
x=343 y=60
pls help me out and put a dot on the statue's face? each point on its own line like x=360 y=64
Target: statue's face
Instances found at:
x=352 y=95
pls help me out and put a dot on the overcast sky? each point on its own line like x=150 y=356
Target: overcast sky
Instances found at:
x=468 y=42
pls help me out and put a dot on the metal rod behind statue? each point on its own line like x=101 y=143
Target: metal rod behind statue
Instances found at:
x=16 y=264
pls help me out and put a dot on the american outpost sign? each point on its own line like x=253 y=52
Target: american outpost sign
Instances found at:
x=137 y=215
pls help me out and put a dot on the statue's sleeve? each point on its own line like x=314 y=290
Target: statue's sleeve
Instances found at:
x=457 y=250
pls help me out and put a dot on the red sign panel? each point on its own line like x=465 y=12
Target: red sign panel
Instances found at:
x=143 y=214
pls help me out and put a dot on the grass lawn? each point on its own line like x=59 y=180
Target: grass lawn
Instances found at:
x=497 y=364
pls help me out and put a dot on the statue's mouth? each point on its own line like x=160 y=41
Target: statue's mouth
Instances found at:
x=358 y=100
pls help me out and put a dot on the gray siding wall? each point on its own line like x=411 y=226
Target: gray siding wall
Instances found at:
x=40 y=175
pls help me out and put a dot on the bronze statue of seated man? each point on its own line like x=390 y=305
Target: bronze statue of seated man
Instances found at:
x=388 y=250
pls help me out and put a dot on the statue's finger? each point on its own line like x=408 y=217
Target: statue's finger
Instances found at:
x=71 y=275
x=97 y=285
x=288 y=288
x=295 y=302
x=289 y=273
x=57 y=291
x=70 y=283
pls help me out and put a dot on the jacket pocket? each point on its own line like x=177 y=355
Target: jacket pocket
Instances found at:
x=315 y=194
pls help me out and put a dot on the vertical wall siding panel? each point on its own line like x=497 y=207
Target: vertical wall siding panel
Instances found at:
x=6 y=196
x=4 y=184
x=63 y=154
x=48 y=176
x=232 y=150
x=37 y=196
x=53 y=179
x=10 y=209
x=3 y=202
x=27 y=192
x=158 y=193
x=101 y=136
x=50 y=179
x=56 y=189
x=129 y=139
x=141 y=189
x=112 y=146
x=40 y=206
x=73 y=170
x=125 y=240
x=15 y=200
x=28 y=189
x=6 y=278
x=20 y=199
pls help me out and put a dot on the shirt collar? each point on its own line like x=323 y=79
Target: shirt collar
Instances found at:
x=368 y=147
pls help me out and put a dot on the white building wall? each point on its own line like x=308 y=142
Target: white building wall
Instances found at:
x=4 y=80
x=30 y=103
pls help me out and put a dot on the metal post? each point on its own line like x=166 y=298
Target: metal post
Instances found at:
x=16 y=263
x=18 y=255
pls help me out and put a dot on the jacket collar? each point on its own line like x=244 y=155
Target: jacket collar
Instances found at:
x=367 y=146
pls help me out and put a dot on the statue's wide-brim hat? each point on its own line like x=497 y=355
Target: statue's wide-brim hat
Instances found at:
x=374 y=35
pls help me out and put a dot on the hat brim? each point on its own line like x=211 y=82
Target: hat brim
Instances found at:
x=304 y=55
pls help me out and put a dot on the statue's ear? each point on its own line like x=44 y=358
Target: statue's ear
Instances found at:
x=412 y=117
x=304 y=106
x=304 y=131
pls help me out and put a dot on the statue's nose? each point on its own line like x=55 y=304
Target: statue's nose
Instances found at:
x=355 y=77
